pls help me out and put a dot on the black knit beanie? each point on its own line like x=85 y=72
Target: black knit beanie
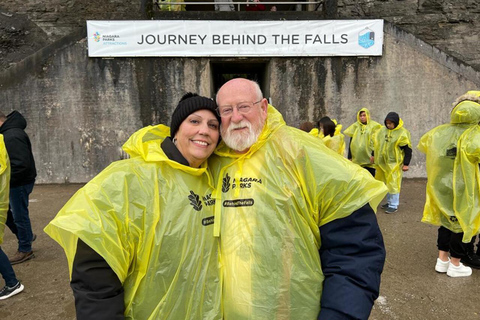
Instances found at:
x=190 y=103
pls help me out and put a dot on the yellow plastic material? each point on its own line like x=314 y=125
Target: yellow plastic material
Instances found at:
x=466 y=183
x=151 y=219
x=164 y=5
x=270 y=202
x=336 y=143
x=440 y=146
x=361 y=145
x=389 y=156
x=4 y=186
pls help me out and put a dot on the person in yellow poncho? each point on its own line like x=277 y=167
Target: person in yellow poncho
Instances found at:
x=139 y=236
x=331 y=135
x=441 y=148
x=12 y=285
x=294 y=218
x=392 y=155
x=361 y=143
x=466 y=183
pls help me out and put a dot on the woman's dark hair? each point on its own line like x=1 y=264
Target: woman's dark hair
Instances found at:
x=328 y=127
x=322 y=121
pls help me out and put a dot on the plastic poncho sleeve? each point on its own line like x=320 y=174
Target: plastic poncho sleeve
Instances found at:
x=466 y=183
x=99 y=215
x=4 y=186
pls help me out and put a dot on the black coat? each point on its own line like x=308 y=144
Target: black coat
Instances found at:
x=19 y=150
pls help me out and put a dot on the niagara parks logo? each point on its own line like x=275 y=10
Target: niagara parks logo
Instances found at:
x=96 y=37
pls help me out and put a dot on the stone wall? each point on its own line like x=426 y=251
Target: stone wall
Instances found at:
x=451 y=25
x=81 y=110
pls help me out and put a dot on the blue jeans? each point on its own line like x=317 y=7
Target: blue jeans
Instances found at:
x=6 y=270
x=393 y=200
x=18 y=219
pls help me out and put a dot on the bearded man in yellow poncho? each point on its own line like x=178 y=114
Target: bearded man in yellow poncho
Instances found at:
x=295 y=220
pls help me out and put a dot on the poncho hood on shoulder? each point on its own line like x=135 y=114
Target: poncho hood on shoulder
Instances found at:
x=466 y=109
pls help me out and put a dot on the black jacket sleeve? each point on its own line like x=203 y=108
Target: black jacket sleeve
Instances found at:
x=97 y=290
x=352 y=255
x=349 y=150
x=408 y=154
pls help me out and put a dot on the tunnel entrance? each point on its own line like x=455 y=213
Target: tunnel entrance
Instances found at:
x=225 y=70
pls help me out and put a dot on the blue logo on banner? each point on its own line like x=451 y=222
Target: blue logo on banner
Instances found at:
x=366 y=38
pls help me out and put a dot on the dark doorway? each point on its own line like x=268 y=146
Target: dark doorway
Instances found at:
x=223 y=71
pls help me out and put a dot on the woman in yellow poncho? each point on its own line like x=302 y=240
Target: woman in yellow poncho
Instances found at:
x=139 y=236
x=12 y=285
x=332 y=136
x=392 y=155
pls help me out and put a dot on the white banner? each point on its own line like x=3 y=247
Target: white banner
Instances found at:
x=209 y=38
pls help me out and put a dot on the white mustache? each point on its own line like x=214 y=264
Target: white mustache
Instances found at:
x=241 y=124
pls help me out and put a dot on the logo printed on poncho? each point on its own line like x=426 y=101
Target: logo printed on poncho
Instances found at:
x=195 y=201
x=452 y=152
x=244 y=182
x=453 y=219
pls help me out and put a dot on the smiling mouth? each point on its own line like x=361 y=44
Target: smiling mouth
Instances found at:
x=200 y=143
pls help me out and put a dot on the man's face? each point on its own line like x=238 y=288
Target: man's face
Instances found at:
x=363 y=117
x=241 y=130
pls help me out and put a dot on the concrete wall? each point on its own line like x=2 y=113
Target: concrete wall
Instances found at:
x=81 y=110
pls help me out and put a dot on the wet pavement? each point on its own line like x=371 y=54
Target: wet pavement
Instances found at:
x=411 y=289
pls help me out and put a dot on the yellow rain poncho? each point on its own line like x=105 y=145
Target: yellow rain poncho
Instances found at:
x=165 y=5
x=4 y=186
x=466 y=183
x=389 y=156
x=336 y=143
x=440 y=146
x=151 y=219
x=361 y=145
x=270 y=203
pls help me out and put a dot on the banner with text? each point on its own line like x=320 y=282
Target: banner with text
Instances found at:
x=207 y=38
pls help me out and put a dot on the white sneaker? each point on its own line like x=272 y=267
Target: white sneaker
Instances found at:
x=460 y=271
x=442 y=266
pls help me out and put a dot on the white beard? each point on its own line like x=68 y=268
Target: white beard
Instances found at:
x=241 y=141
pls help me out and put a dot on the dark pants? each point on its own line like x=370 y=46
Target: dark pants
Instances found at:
x=371 y=170
x=18 y=219
x=451 y=242
x=6 y=270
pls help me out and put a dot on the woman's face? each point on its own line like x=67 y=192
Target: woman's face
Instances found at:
x=198 y=136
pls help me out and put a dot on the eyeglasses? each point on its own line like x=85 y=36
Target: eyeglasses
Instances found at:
x=242 y=108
